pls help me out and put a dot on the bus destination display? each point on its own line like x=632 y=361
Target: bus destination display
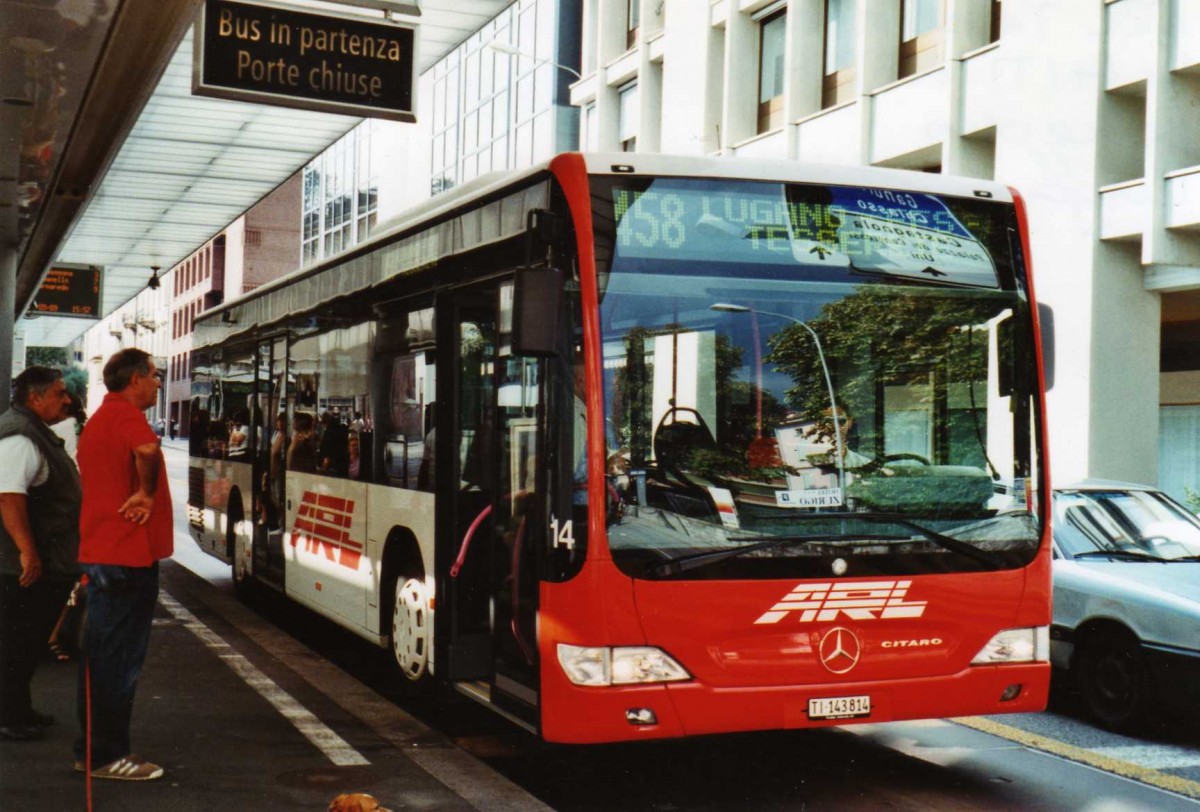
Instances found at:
x=864 y=229
x=68 y=291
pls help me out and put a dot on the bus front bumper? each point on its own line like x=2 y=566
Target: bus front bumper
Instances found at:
x=576 y=715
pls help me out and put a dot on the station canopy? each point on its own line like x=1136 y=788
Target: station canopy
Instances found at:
x=107 y=159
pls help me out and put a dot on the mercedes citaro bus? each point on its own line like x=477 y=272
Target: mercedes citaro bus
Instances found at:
x=637 y=446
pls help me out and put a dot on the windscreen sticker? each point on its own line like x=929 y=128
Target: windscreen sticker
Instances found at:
x=908 y=234
x=726 y=509
x=809 y=498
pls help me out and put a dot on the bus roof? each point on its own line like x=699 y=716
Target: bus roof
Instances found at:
x=621 y=164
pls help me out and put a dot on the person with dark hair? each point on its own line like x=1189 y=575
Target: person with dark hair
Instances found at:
x=302 y=452
x=333 y=452
x=39 y=540
x=125 y=529
x=70 y=427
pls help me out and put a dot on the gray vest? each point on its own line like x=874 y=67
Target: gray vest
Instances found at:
x=53 y=506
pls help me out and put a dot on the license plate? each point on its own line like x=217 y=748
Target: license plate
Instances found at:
x=839 y=707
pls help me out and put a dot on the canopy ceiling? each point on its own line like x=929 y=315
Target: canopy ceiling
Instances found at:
x=127 y=185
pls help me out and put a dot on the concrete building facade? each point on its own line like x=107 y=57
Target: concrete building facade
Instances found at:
x=1089 y=109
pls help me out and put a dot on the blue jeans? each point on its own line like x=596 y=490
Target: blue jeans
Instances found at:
x=116 y=634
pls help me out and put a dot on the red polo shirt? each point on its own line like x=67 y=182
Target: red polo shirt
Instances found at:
x=106 y=466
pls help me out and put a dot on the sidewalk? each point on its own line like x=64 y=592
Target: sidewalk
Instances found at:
x=222 y=707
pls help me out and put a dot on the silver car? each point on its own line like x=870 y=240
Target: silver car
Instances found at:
x=1126 y=601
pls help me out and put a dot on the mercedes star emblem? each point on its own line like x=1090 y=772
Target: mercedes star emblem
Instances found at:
x=840 y=650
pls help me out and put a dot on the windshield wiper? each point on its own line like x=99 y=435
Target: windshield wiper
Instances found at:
x=940 y=539
x=696 y=560
x=1132 y=555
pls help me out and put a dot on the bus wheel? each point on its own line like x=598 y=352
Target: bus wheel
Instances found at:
x=410 y=629
x=1114 y=681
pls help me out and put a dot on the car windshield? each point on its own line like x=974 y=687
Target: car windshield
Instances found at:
x=851 y=366
x=1088 y=522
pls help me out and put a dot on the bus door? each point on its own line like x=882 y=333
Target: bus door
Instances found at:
x=269 y=468
x=494 y=511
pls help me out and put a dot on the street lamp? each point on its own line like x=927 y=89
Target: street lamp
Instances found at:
x=724 y=307
x=512 y=50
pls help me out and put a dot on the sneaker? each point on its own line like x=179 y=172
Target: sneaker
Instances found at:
x=127 y=768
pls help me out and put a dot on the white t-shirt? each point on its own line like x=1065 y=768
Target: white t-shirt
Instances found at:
x=24 y=466
x=68 y=431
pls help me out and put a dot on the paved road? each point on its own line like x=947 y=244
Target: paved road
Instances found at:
x=1045 y=761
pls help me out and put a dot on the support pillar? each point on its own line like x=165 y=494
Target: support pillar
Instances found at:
x=8 y=304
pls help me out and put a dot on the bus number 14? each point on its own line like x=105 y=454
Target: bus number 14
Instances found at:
x=564 y=535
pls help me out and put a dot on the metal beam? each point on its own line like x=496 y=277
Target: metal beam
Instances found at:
x=140 y=44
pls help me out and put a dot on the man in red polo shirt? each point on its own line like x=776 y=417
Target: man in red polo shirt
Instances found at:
x=125 y=528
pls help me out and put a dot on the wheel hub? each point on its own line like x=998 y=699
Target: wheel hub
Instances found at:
x=410 y=628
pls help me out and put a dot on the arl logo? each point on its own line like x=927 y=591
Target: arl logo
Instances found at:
x=857 y=600
x=322 y=527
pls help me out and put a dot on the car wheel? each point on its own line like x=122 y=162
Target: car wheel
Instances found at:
x=410 y=630
x=1114 y=682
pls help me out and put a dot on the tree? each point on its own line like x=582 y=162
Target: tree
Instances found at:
x=46 y=356
x=881 y=335
x=77 y=382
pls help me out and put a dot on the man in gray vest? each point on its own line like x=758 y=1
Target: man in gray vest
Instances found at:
x=39 y=540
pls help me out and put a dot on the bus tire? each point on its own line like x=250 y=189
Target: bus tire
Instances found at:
x=409 y=635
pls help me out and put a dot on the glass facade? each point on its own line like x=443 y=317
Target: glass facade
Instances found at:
x=482 y=110
x=494 y=110
x=341 y=195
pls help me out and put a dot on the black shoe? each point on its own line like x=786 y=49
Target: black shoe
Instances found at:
x=40 y=719
x=21 y=733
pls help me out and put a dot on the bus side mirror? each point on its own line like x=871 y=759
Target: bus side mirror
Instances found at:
x=537 y=300
x=1010 y=349
x=1046 y=321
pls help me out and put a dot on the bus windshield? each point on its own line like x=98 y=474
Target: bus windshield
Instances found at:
x=804 y=376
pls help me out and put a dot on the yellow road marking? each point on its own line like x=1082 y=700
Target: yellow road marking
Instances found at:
x=1171 y=783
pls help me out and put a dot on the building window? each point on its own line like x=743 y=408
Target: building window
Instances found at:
x=994 y=35
x=589 y=130
x=921 y=36
x=628 y=113
x=838 y=80
x=771 y=53
x=633 y=16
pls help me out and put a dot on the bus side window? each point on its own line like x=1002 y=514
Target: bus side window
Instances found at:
x=403 y=433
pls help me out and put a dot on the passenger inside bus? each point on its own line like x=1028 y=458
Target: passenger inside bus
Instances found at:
x=354 y=466
x=238 y=438
x=334 y=445
x=302 y=453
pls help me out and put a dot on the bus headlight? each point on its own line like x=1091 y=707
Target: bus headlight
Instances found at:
x=620 y=665
x=1016 y=646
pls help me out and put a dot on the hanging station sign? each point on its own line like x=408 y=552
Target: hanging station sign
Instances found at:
x=68 y=290
x=275 y=54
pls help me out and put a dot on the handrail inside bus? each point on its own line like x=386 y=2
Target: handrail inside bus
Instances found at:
x=522 y=643
x=466 y=542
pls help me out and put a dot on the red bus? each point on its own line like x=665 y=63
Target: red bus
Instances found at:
x=638 y=446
